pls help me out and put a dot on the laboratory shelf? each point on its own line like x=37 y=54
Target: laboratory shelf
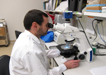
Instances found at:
x=102 y=15
x=94 y=14
x=53 y=12
x=60 y=12
x=4 y=37
x=46 y=1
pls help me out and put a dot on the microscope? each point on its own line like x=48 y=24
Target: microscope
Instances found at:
x=72 y=42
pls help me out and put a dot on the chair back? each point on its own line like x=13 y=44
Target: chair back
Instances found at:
x=17 y=33
x=4 y=65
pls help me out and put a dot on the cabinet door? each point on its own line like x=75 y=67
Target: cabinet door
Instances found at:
x=2 y=31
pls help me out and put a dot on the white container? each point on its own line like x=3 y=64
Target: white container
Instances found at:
x=103 y=9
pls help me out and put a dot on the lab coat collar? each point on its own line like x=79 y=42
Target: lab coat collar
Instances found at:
x=33 y=36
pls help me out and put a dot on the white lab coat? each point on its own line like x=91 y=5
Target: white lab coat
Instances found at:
x=29 y=57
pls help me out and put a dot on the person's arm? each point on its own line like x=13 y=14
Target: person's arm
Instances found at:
x=34 y=65
x=52 y=53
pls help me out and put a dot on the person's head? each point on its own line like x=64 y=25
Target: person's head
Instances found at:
x=36 y=22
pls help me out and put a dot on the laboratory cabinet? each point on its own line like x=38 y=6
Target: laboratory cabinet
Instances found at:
x=4 y=38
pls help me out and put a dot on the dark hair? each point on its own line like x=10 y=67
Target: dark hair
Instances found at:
x=33 y=16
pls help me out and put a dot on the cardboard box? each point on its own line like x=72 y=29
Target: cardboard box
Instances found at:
x=94 y=8
x=2 y=31
x=102 y=2
x=2 y=42
x=98 y=11
x=95 y=5
x=97 y=2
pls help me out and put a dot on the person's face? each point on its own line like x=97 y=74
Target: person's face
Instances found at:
x=44 y=27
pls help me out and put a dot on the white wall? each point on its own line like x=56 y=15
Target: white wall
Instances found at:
x=101 y=30
x=13 y=11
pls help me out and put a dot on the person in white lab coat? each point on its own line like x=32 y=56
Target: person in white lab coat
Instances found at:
x=29 y=56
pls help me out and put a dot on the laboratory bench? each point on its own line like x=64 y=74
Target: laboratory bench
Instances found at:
x=84 y=67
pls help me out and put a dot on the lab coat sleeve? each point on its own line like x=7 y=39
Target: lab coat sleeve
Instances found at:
x=34 y=66
x=52 y=53
x=57 y=70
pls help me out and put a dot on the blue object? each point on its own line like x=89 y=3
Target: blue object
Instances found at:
x=95 y=5
x=67 y=15
x=48 y=37
x=94 y=10
x=91 y=55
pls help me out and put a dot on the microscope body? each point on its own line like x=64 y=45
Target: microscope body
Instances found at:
x=66 y=32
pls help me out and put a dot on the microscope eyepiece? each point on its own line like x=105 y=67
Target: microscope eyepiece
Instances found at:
x=50 y=25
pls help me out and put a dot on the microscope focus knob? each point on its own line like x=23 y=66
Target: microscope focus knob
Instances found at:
x=81 y=56
x=85 y=52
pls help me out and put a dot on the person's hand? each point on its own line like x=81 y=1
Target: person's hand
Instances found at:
x=72 y=64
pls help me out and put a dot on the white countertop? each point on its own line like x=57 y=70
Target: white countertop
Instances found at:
x=84 y=67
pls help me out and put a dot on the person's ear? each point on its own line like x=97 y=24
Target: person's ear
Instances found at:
x=34 y=25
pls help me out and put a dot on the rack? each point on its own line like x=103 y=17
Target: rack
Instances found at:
x=102 y=15
x=4 y=38
x=94 y=14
